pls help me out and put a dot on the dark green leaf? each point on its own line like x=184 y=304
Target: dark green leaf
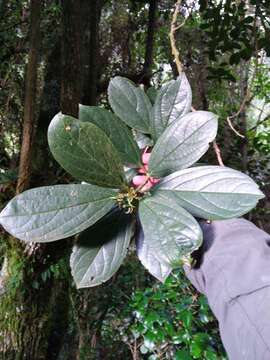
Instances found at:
x=182 y=355
x=85 y=151
x=211 y=192
x=8 y=176
x=152 y=94
x=235 y=58
x=51 y=213
x=186 y=318
x=246 y=53
x=130 y=103
x=249 y=19
x=173 y=101
x=149 y=260
x=198 y=344
x=119 y=134
x=183 y=143
x=169 y=230
x=100 y=250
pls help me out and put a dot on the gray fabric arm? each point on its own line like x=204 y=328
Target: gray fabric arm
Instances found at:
x=234 y=273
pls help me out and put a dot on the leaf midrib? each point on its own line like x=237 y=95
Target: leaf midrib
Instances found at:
x=58 y=209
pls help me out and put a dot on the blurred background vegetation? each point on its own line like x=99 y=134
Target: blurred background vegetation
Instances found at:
x=55 y=54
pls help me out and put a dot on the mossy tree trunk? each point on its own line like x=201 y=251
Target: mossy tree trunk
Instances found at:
x=35 y=307
x=30 y=97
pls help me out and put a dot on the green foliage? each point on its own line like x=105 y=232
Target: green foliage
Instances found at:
x=261 y=83
x=101 y=249
x=62 y=211
x=233 y=33
x=130 y=103
x=261 y=142
x=119 y=134
x=85 y=151
x=7 y=176
x=92 y=150
x=172 y=101
x=164 y=321
x=211 y=192
x=163 y=220
x=183 y=143
x=149 y=258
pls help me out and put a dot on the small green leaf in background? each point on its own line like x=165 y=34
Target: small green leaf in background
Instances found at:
x=101 y=249
x=149 y=260
x=119 y=134
x=168 y=229
x=173 y=101
x=183 y=143
x=211 y=192
x=130 y=103
x=182 y=355
x=198 y=345
x=8 y=176
x=51 y=213
x=186 y=318
x=85 y=151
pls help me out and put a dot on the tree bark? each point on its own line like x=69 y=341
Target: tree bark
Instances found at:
x=71 y=64
x=144 y=75
x=30 y=98
x=149 y=46
x=36 y=331
x=90 y=49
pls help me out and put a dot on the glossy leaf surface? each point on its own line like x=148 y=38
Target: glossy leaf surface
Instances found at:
x=55 y=212
x=183 y=143
x=173 y=101
x=100 y=250
x=168 y=229
x=149 y=260
x=119 y=134
x=85 y=151
x=212 y=192
x=130 y=103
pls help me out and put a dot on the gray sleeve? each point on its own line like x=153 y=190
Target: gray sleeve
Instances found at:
x=234 y=273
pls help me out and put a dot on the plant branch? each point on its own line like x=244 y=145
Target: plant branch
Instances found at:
x=174 y=28
x=218 y=153
x=232 y=127
x=150 y=41
x=259 y=123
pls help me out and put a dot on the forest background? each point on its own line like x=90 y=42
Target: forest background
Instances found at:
x=57 y=54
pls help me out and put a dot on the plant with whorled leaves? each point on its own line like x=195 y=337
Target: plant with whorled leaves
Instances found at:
x=136 y=169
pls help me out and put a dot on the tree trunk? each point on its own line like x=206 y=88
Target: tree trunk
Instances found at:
x=30 y=98
x=149 y=46
x=91 y=11
x=42 y=172
x=36 y=298
x=71 y=64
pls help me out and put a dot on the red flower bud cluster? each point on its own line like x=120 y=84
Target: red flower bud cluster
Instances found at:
x=143 y=180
